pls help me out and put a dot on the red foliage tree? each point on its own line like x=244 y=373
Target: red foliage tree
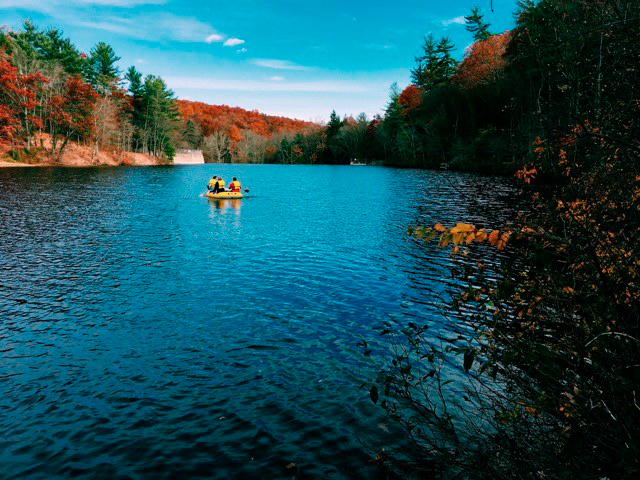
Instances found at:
x=483 y=61
x=71 y=113
x=410 y=98
x=233 y=120
x=18 y=96
x=9 y=120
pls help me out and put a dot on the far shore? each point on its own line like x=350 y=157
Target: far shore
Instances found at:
x=12 y=164
x=78 y=155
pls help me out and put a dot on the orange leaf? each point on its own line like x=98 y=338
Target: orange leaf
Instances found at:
x=439 y=228
x=470 y=238
x=462 y=228
x=502 y=242
x=493 y=237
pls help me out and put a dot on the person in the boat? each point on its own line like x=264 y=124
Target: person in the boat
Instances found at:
x=219 y=187
x=212 y=183
x=235 y=186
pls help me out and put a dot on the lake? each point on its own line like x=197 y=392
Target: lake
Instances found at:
x=147 y=332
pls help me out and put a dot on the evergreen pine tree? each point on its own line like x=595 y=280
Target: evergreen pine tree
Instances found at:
x=476 y=26
x=436 y=66
x=102 y=71
x=446 y=64
x=51 y=47
x=422 y=73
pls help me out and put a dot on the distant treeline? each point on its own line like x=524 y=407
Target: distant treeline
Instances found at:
x=48 y=86
x=471 y=115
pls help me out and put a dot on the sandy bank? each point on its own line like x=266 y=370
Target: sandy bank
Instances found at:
x=77 y=155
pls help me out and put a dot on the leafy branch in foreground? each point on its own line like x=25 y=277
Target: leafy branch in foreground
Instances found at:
x=542 y=348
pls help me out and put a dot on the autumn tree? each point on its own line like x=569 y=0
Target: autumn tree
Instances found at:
x=483 y=62
x=536 y=375
x=9 y=117
x=70 y=113
x=217 y=147
x=19 y=94
x=410 y=99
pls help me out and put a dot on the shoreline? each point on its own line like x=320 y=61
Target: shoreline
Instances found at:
x=10 y=164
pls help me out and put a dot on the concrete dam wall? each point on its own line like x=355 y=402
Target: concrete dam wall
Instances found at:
x=188 y=157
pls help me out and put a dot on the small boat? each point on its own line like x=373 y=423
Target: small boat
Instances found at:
x=224 y=195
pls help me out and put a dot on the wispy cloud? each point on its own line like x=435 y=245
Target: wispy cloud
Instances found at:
x=277 y=64
x=157 y=26
x=241 y=50
x=377 y=46
x=232 y=42
x=328 y=86
x=150 y=26
x=458 y=20
x=276 y=78
x=115 y=3
x=214 y=37
x=46 y=6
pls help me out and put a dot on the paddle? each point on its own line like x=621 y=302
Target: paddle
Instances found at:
x=204 y=193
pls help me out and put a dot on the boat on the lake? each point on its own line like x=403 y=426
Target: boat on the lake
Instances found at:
x=224 y=195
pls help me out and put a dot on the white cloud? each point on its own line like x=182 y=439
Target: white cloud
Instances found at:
x=276 y=78
x=115 y=3
x=45 y=7
x=377 y=46
x=232 y=42
x=214 y=37
x=277 y=64
x=327 y=86
x=241 y=50
x=156 y=26
x=458 y=20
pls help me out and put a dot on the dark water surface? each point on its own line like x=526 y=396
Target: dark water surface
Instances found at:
x=146 y=332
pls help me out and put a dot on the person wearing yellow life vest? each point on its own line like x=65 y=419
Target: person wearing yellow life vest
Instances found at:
x=212 y=183
x=235 y=186
x=219 y=186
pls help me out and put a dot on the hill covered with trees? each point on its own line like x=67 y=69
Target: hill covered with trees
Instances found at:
x=52 y=94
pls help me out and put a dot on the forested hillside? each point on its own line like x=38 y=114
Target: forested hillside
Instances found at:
x=52 y=94
x=235 y=134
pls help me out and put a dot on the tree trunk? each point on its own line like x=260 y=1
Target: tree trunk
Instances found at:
x=62 y=147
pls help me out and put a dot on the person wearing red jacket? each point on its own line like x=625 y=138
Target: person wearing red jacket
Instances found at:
x=235 y=185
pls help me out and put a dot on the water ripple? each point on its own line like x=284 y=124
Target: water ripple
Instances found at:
x=146 y=332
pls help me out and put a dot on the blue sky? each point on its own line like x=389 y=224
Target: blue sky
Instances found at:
x=283 y=57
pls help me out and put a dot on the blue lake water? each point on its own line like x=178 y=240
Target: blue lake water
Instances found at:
x=147 y=332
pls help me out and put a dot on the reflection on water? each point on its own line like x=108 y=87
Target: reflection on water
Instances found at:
x=222 y=204
x=148 y=332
